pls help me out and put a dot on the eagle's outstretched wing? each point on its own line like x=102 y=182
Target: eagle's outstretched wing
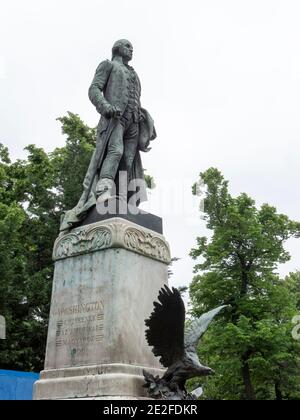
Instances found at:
x=198 y=328
x=166 y=327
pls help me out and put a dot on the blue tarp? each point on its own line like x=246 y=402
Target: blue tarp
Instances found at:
x=17 y=385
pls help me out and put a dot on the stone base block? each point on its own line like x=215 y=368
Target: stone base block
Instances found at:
x=107 y=275
x=115 y=381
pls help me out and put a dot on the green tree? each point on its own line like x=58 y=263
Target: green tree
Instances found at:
x=33 y=194
x=250 y=346
x=293 y=283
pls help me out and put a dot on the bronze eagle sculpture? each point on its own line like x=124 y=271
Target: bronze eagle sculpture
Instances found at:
x=176 y=348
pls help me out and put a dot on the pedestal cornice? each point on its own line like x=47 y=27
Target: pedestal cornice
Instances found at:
x=112 y=233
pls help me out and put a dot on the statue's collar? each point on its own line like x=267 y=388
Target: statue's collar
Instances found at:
x=119 y=60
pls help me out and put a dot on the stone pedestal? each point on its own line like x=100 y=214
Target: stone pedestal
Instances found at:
x=107 y=275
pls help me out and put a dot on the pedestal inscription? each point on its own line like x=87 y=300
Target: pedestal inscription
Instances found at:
x=86 y=327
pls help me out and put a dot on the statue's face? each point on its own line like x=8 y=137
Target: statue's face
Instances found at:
x=125 y=49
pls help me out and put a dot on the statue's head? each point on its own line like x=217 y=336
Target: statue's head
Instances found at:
x=122 y=48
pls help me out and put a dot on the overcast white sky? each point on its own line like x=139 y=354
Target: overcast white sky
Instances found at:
x=220 y=78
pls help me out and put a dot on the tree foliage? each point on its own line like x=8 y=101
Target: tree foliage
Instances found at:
x=33 y=194
x=250 y=347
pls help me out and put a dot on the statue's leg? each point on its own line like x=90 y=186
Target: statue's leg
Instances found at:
x=110 y=165
x=114 y=153
x=130 y=148
x=130 y=145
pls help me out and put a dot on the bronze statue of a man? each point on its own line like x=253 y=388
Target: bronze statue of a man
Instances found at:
x=125 y=129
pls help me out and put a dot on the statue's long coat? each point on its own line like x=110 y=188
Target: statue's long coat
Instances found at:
x=110 y=85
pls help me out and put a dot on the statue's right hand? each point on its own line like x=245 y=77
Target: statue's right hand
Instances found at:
x=112 y=111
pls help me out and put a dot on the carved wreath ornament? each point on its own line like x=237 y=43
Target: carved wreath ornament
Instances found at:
x=112 y=234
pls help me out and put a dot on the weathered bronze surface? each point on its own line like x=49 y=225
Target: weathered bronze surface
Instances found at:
x=125 y=129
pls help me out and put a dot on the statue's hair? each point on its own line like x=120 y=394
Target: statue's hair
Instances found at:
x=116 y=46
